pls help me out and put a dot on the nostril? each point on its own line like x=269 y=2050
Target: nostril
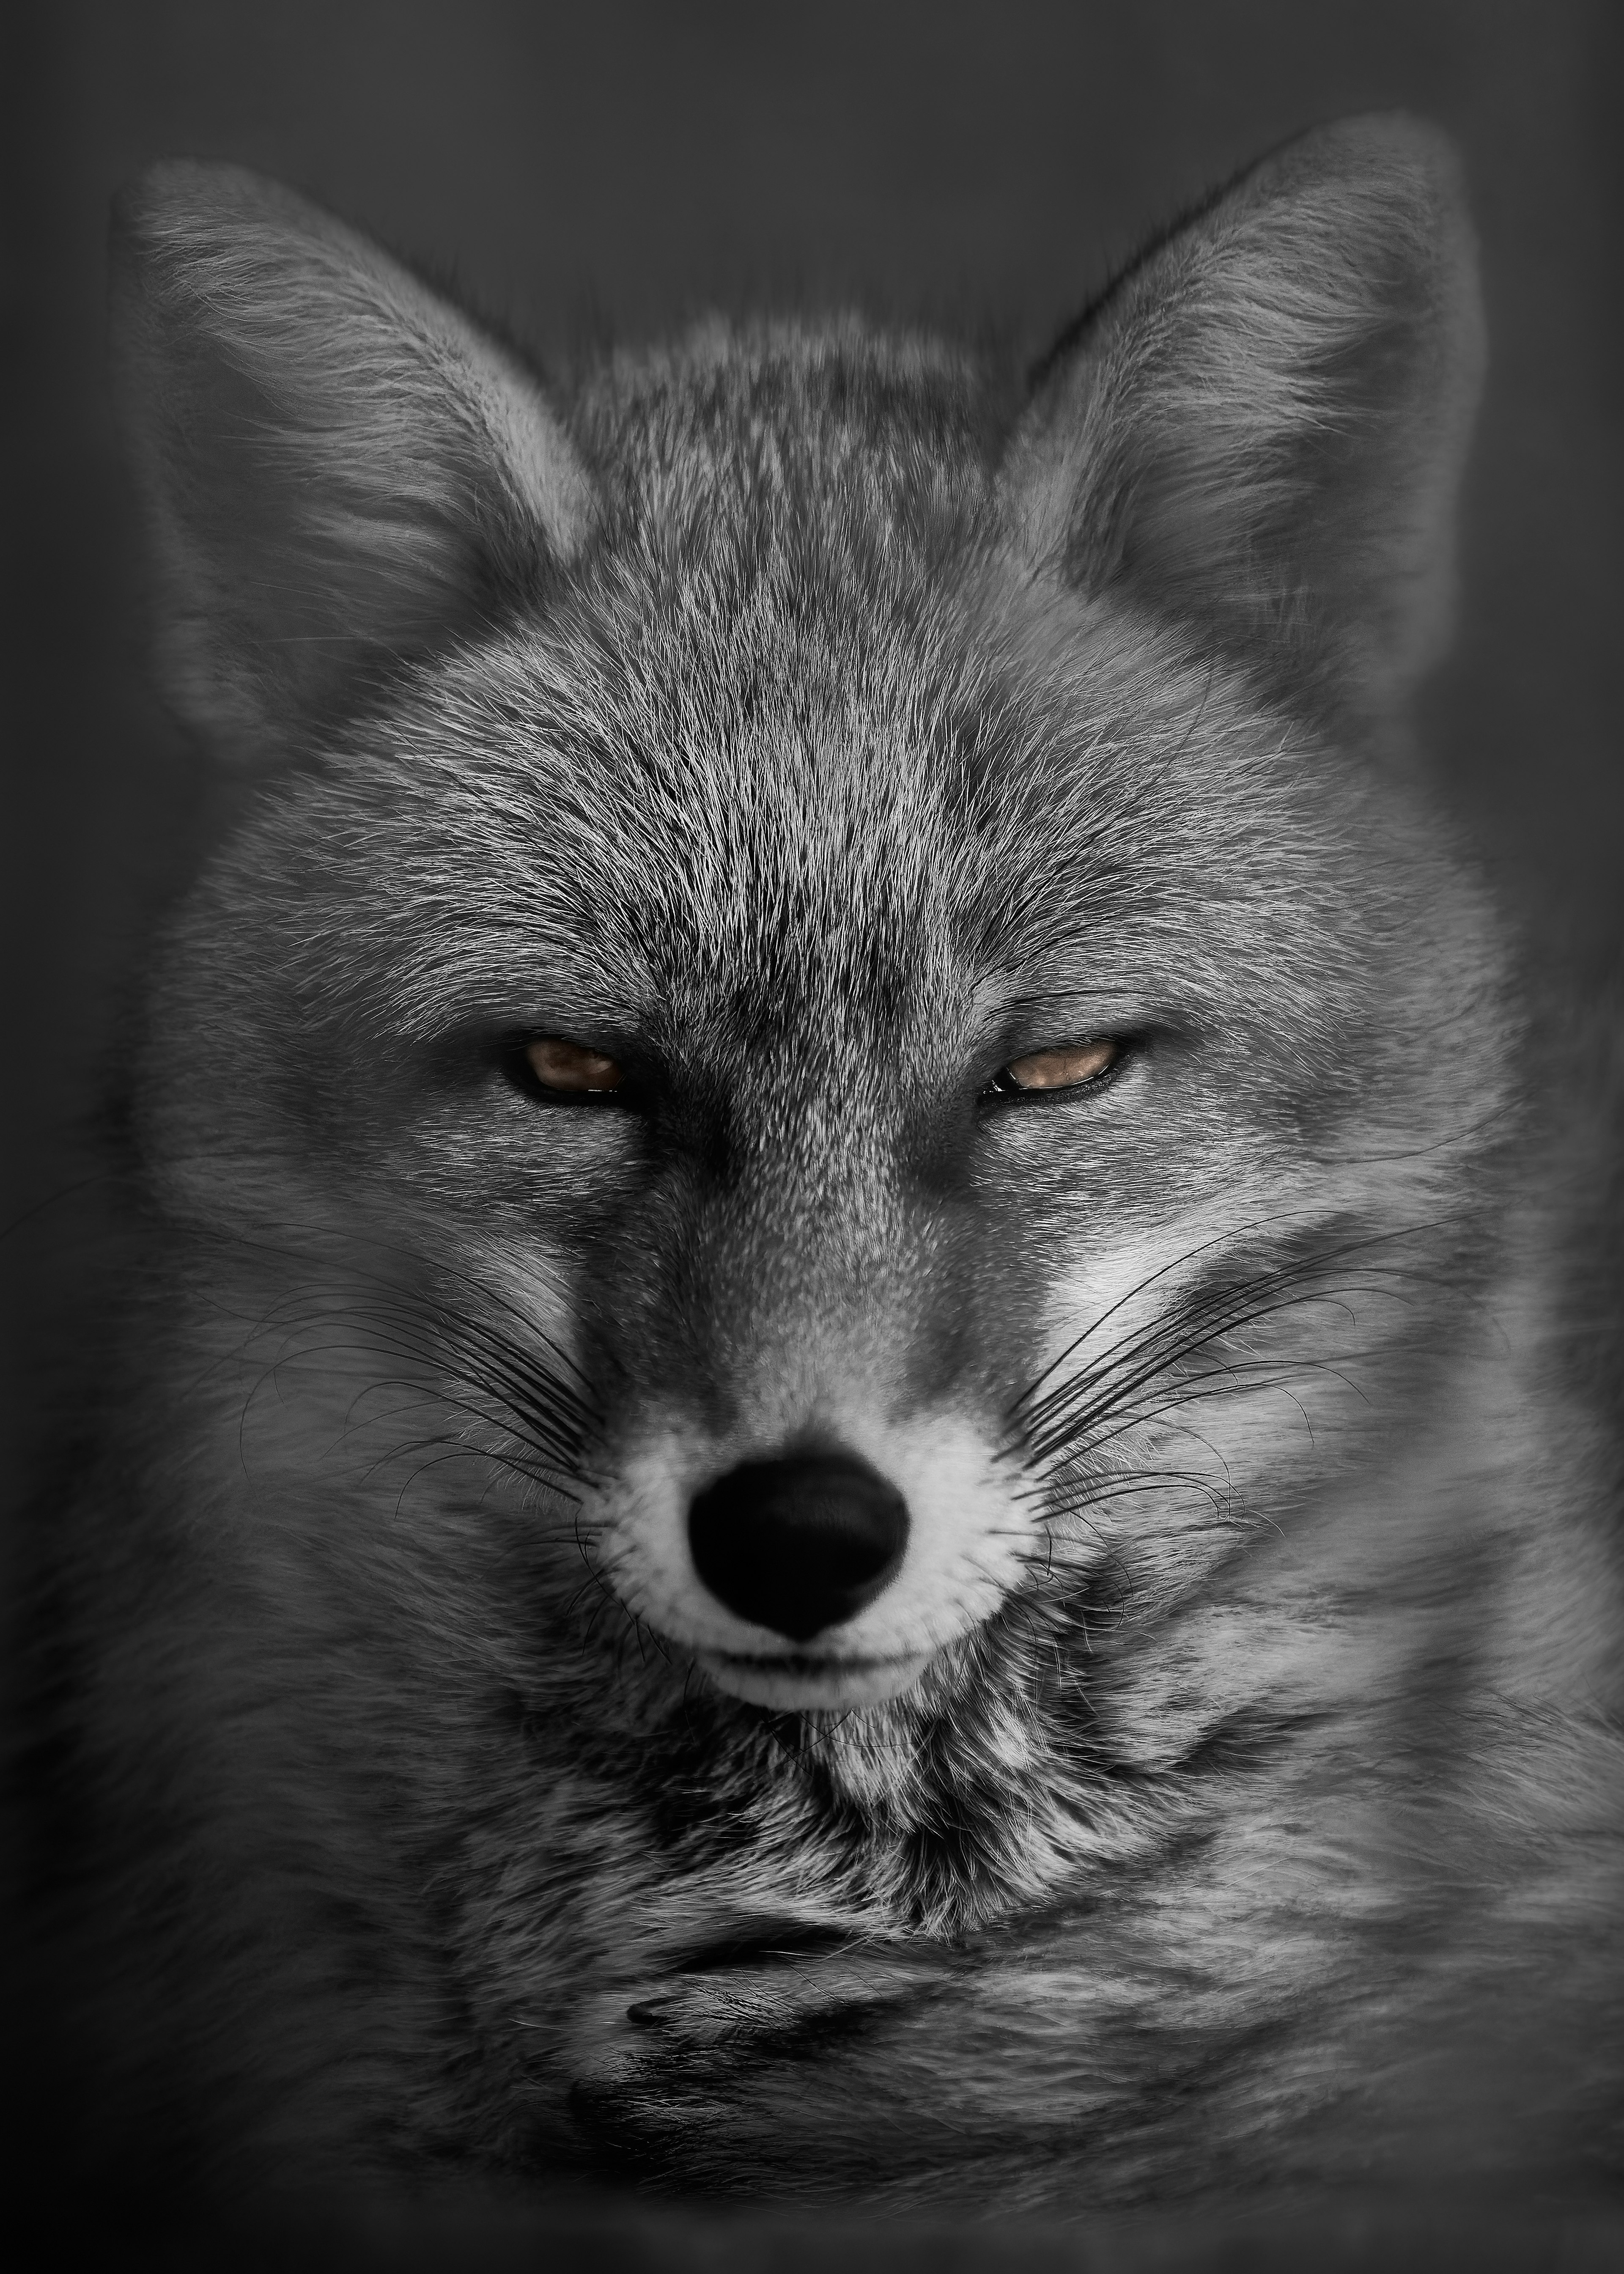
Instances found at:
x=799 y=1544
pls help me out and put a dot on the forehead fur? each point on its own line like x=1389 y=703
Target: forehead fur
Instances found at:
x=830 y=426
x=801 y=728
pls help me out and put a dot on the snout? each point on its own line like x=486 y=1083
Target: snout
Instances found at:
x=814 y=1560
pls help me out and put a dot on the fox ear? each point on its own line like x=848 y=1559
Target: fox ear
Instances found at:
x=1259 y=430
x=339 y=469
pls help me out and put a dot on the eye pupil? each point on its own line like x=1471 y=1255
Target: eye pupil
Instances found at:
x=561 y=1065
x=1067 y=1067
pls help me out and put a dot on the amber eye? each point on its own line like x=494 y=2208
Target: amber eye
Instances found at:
x=570 y=1066
x=1066 y=1068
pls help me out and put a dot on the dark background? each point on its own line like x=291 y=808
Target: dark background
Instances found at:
x=617 y=164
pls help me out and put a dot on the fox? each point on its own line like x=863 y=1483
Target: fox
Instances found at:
x=862 y=1450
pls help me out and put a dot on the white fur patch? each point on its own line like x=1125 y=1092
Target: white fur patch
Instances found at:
x=967 y=1534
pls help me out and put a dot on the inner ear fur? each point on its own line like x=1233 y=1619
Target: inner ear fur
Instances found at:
x=339 y=468
x=1259 y=430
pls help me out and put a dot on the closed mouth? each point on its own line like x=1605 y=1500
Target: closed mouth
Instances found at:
x=806 y=1680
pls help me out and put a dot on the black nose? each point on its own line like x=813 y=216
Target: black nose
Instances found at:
x=798 y=1545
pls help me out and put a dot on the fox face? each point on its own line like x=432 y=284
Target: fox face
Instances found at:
x=827 y=935
x=840 y=1057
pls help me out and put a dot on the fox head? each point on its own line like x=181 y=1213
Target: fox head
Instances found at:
x=838 y=1041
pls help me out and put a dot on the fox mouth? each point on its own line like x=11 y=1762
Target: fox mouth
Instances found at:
x=807 y=1680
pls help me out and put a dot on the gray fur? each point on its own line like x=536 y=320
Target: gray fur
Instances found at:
x=771 y=712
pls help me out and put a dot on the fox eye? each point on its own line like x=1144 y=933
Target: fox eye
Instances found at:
x=1072 y=1066
x=570 y=1068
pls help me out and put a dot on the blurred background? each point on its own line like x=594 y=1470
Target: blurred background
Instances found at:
x=610 y=167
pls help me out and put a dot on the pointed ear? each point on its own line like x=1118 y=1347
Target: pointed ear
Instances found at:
x=1260 y=428
x=339 y=469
